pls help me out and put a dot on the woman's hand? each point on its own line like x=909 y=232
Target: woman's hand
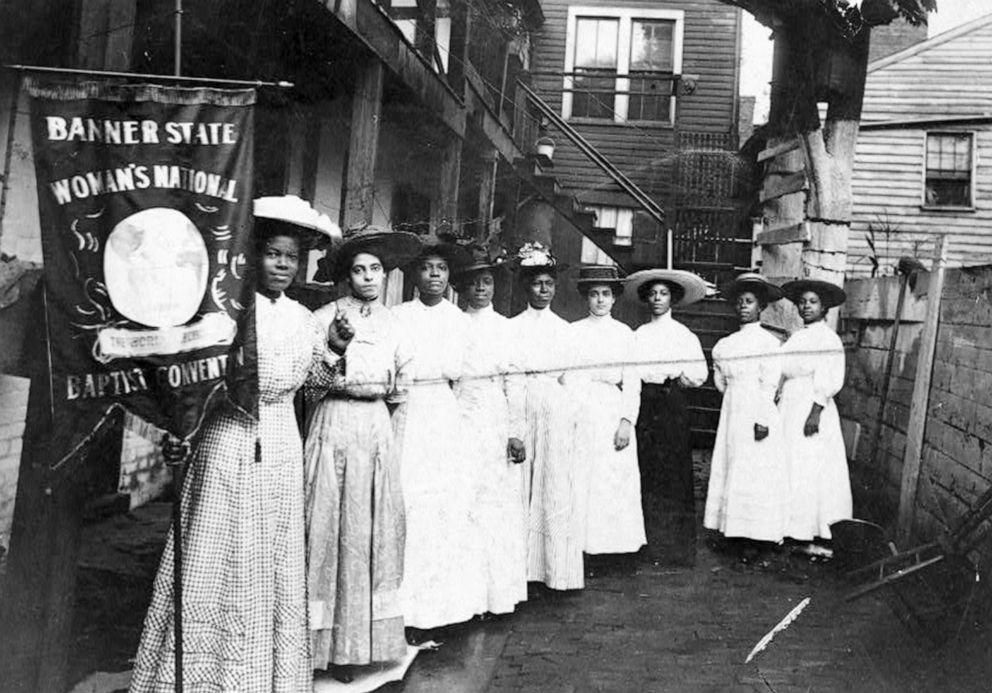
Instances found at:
x=812 y=426
x=339 y=333
x=174 y=450
x=621 y=438
x=515 y=450
x=760 y=432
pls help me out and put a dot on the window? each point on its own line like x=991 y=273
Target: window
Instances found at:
x=948 y=170
x=619 y=63
x=620 y=220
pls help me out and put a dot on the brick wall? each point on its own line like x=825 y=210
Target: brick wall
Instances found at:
x=956 y=466
x=891 y=38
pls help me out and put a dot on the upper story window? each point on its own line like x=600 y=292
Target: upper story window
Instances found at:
x=619 y=63
x=949 y=169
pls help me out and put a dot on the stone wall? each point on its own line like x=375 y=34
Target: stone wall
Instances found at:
x=956 y=465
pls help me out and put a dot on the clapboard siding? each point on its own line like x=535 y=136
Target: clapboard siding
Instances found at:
x=888 y=185
x=644 y=151
x=948 y=76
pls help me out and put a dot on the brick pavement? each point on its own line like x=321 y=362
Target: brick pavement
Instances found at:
x=643 y=627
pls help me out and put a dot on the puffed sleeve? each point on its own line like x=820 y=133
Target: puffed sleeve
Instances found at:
x=828 y=369
x=694 y=370
x=631 y=382
x=719 y=378
x=402 y=358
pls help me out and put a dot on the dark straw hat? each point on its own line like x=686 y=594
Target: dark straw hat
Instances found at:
x=393 y=248
x=599 y=275
x=481 y=258
x=830 y=295
x=455 y=255
x=764 y=290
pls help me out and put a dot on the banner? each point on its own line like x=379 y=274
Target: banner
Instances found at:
x=145 y=198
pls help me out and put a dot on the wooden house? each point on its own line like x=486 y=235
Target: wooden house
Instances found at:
x=923 y=163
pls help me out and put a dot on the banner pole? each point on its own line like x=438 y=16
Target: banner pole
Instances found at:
x=219 y=81
x=178 y=47
x=178 y=474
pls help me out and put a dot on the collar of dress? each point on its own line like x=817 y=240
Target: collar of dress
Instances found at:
x=481 y=311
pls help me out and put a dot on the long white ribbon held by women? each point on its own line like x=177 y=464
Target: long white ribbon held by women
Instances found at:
x=782 y=625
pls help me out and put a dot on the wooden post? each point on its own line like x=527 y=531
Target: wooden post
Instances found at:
x=461 y=28
x=487 y=193
x=444 y=210
x=363 y=145
x=921 y=392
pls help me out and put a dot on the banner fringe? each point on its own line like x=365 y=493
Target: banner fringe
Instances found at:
x=183 y=96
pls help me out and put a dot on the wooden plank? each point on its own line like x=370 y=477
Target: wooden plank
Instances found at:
x=780 y=185
x=778 y=149
x=444 y=207
x=797 y=233
x=877 y=299
x=921 y=393
x=487 y=192
x=363 y=146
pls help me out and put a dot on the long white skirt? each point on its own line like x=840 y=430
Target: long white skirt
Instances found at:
x=615 y=521
x=820 y=489
x=497 y=515
x=442 y=567
x=748 y=493
x=558 y=488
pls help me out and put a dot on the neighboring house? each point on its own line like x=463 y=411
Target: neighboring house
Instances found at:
x=923 y=163
x=652 y=85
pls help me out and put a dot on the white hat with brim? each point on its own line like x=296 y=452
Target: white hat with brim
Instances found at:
x=755 y=283
x=693 y=286
x=289 y=210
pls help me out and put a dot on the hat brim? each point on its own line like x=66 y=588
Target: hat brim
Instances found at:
x=309 y=237
x=763 y=289
x=583 y=285
x=393 y=248
x=693 y=286
x=456 y=256
x=830 y=295
x=465 y=273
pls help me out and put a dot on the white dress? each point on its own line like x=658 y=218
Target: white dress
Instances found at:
x=442 y=567
x=556 y=479
x=748 y=493
x=492 y=408
x=813 y=371
x=610 y=390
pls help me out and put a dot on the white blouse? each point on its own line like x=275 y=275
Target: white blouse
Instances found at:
x=603 y=350
x=490 y=355
x=432 y=341
x=750 y=359
x=665 y=349
x=543 y=342
x=815 y=352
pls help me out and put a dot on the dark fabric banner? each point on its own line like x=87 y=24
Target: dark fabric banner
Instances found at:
x=145 y=200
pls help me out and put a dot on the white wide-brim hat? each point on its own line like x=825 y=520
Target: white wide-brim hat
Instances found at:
x=693 y=286
x=297 y=212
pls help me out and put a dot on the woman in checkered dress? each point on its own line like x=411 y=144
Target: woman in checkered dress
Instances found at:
x=244 y=592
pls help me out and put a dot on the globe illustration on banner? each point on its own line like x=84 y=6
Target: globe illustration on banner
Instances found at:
x=155 y=266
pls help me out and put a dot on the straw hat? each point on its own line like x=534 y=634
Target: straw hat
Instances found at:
x=599 y=275
x=764 y=290
x=693 y=286
x=291 y=214
x=481 y=258
x=393 y=248
x=454 y=254
x=830 y=295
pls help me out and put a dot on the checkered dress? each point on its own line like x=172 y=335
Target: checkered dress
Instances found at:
x=244 y=593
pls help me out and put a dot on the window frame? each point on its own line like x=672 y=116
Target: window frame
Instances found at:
x=626 y=16
x=972 y=136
